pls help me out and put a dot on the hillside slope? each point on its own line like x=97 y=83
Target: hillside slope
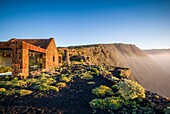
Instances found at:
x=144 y=69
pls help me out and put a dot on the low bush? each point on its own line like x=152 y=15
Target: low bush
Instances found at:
x=95 y=70
x=86 y=76
x=18 y=83
x=41 y=87
x=102 y=91
x=61 y=84
x=118 y=103
x=45 y=87
x=91 y=83
x=6 y=78
x=54 y=88
x=71 y=76
x=39 y=95
x=24 y=92
x=110 y=103
x=6 y=84
x=11 y=92
x=113 y=79
x=30 y=82
x=2 y=91
x=5 y=69
x=130 y=90
x=15 y=79
x=44 y=79
x=167 y=110
x=64 y=79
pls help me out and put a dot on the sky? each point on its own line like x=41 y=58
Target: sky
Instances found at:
x=145 y=23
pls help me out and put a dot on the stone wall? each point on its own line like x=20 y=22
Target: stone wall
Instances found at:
x=26 y=47
x=52 y=59
x=20 y=58
x=16 y=57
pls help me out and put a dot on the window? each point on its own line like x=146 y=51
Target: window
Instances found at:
x=53 y=59
x=60 y=59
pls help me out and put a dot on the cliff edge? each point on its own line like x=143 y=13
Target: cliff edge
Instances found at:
x=144 y=69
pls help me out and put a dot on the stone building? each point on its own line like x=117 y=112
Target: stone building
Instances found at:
x=25 y=55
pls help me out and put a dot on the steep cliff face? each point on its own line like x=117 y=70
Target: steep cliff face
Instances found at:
x=144 y=69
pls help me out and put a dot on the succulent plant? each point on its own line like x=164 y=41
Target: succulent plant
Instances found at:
x=102 y=91
x=110 y=103
x=130 y=90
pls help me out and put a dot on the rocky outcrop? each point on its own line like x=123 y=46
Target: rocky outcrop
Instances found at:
x=144 y=69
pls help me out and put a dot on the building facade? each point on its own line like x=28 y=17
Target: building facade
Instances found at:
x=25 y=55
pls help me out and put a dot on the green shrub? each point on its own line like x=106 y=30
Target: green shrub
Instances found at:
x=167 y=110
x=2 y=91
x=11 y=92
x=156 y=96
x=5 y=69
x=42 y=87
x=44 y=79
x=30 y=82
x=51 y=80
x=24 y=92
x=61 y=84
x=6 y=84
x=113 y=79
x=98 y=103
x=130 y=90
x=6 y=78
x=19 y=83
x=102 y=91
x=71 y=76
x=86 y=76
x=13 y=83
x=115 y=86
x=91 y=83
x=110 y=103
x=45 y=87
x=39 y=95
x=15 y=79
x=21 y=92
x=113 y=103
x=64 y=79
x=95 y=70
x=42 y=83
x=53 y=88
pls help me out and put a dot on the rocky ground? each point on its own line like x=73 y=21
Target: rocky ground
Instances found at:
x=74 y=98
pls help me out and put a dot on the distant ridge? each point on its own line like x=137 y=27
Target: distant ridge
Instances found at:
x=157 y=51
